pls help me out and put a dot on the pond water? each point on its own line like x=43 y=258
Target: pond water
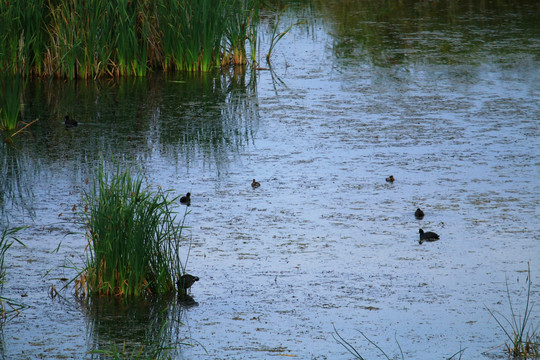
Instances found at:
x=444 y=98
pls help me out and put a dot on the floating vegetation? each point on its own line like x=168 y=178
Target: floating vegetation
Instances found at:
x=524 y=339
x=89 y=39
x=133 y=238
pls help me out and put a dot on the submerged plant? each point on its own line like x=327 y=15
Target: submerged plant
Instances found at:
x=133 y=238
x=351 y=349
x=524 y=339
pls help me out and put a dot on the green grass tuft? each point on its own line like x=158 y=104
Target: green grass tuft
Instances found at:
x=133 y=238
x=524 y=339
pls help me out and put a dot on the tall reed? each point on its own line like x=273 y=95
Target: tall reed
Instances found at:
x=11 y=88
x=133 y=238
x=22 y=39
x=240 y=26
x=94 y=38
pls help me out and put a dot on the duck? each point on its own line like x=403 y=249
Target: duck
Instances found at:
x=255 y=184
x=185 y=282
x=70 y=122
x=427 y=236
x=419 y=214
x=390 y=179
x=186 y=200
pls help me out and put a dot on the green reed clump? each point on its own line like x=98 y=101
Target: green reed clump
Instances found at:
x=242 y=17
x=95 y=38
x=133 y=238
x=10 y=102
x=524 y=339
x=22 y=39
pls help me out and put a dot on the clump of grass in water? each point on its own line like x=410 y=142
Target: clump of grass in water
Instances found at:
x=133 y=238
x=523 y=336
x=96 y=38
x=5 y=243
x=351 y=349
x=10 y=102
x=11 y=88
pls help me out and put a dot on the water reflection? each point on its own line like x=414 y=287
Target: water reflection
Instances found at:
x=386 y=33
x=145 y=326
x=207 y=114
x=17 y=176
x=187 y=119
x=461 y=146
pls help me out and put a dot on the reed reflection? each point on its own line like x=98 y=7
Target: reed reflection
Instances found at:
x=141 y=328
x=386 y=33
x=203 y=118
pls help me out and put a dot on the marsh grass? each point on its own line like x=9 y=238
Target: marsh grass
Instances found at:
x=523 y=336
x=7 y=238
x=241 y=26
x=352 y=350
x=95 y=38
x=133 y=238
x=277 y=36
x=11 y=88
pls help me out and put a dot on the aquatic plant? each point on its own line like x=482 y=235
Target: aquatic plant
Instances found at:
x=524 y=339
x=7 y=238
x=90 y=39
x=277 y=36
x=10 y=102
x=133 y=238
x=351 y=349
x=241 y=25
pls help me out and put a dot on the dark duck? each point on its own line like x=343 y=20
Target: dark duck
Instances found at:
x=185 y=282
x=186 y=200
x=427 y=236
x=68 y=122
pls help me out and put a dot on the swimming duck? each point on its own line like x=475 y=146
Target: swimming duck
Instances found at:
x=428 y=236
x=70 y=122
x=186 y=200
x=419 y=214
x=390 y=179
x=185 y=282
x=255 y=184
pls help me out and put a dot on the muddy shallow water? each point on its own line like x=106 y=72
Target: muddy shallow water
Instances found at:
x=324 y=241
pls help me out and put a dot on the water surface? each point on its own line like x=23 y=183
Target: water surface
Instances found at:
x=443 y=98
